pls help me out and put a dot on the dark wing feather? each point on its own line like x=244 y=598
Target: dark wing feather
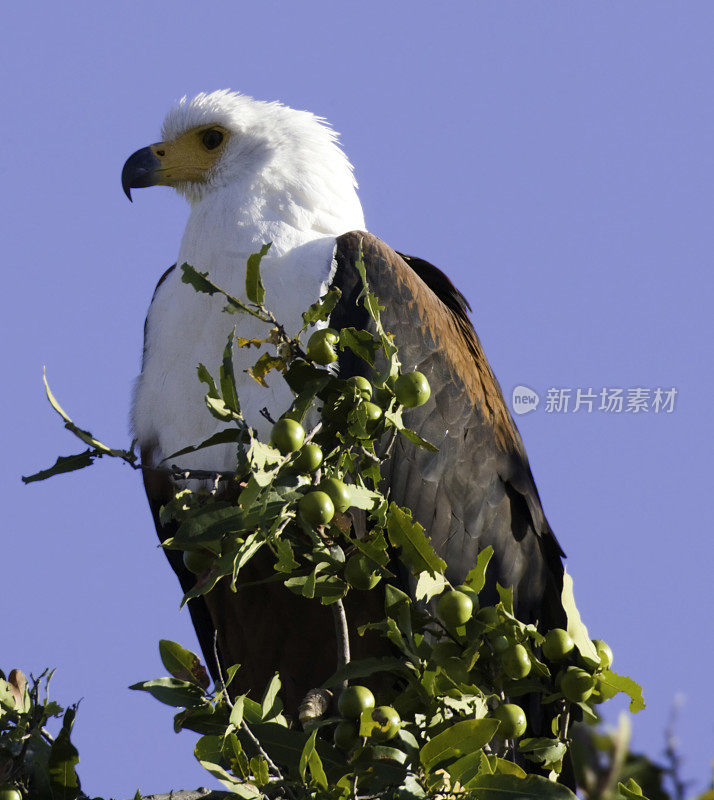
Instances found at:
x=478 y=489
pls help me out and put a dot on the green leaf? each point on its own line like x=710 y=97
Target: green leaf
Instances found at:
x=63 y=464
x=254 y=289
x=209 y=753
x=197 y=279
x=362 y=497
x=360 y=342
x=286 y=560
x=209 y=521
x=227 y=378
x=220 y=410
x=510 y=787
x=321 y=310
x=506 y=595
x=467 y=767
x=309 y=757
x=630 y=790
x=621 y=683
x=428 y=586
x=206 y=719
x=548 y=752
x=504 y=767
x=236 y=716
x=183 y=664
x=576 y=628
x=85 y=436
x=271 y=705
x=417 y=551
x=375 y=548
x=205 y=377
x=414 y=438
x=172 y=692
x=260 y=770
x=226 y=436
x=363 y=668
x=458 y=740
x=201 y=283
x=476 y=577
x=63 y=759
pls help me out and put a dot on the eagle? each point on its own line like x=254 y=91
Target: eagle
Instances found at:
x=255 y=172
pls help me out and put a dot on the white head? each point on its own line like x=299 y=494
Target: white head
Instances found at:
x=259 y=151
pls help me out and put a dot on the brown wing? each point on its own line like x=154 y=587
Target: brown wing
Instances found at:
x=478 y=489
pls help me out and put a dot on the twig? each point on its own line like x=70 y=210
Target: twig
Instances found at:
x=342 y=636
x=224 y=688
x=674 y=759
x=249 y=733
x=244 y=725
x=371 y=456
x=266 y=415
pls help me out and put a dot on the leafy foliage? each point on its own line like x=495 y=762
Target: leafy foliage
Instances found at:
x=440 y=735
x=32 y=761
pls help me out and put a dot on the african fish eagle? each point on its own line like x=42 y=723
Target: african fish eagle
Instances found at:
x=256 y=172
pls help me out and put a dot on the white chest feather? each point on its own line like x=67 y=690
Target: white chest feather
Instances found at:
x=185 y=328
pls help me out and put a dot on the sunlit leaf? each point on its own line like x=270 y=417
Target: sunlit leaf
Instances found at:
x=621 y=683
x=183 y=664
x=321 y=310
x=458 y=740
x=254 y=289
x=171 y=691
x=416 y=550
x=476 y=577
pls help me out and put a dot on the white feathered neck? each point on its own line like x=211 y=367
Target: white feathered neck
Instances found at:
x=282 y=178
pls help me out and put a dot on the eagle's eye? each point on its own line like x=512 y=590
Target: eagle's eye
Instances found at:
x=211 y=139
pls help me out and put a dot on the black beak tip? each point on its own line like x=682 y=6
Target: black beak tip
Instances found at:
x=139 y=171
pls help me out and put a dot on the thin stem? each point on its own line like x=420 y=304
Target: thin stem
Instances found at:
x=342 y=635
x=249 y=733
x=244 y=725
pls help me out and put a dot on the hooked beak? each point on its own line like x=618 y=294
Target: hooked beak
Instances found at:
x=140 y=170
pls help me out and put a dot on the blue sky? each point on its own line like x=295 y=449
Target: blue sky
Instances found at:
x=556 y=160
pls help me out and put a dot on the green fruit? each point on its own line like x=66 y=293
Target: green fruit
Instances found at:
x=316 y=508
x=354 y=700
x=489 y=616
x=557 y=645
x=308 y=459
x=454 y=608
x=604 y=652
x=320 y=346
x=412 y=389
x=287 y=435
x=360 y=572
x=363 y=386
x=516 y=662
x=446 y=649
x=374 y=413
x=9 y=792
x=346 y=735
x=381 y=396
x=500 y=644
x=512 y=719
x=576 y=684
x=338 y=493
x=469 y=592
x=387 y=723
x=196 y=561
